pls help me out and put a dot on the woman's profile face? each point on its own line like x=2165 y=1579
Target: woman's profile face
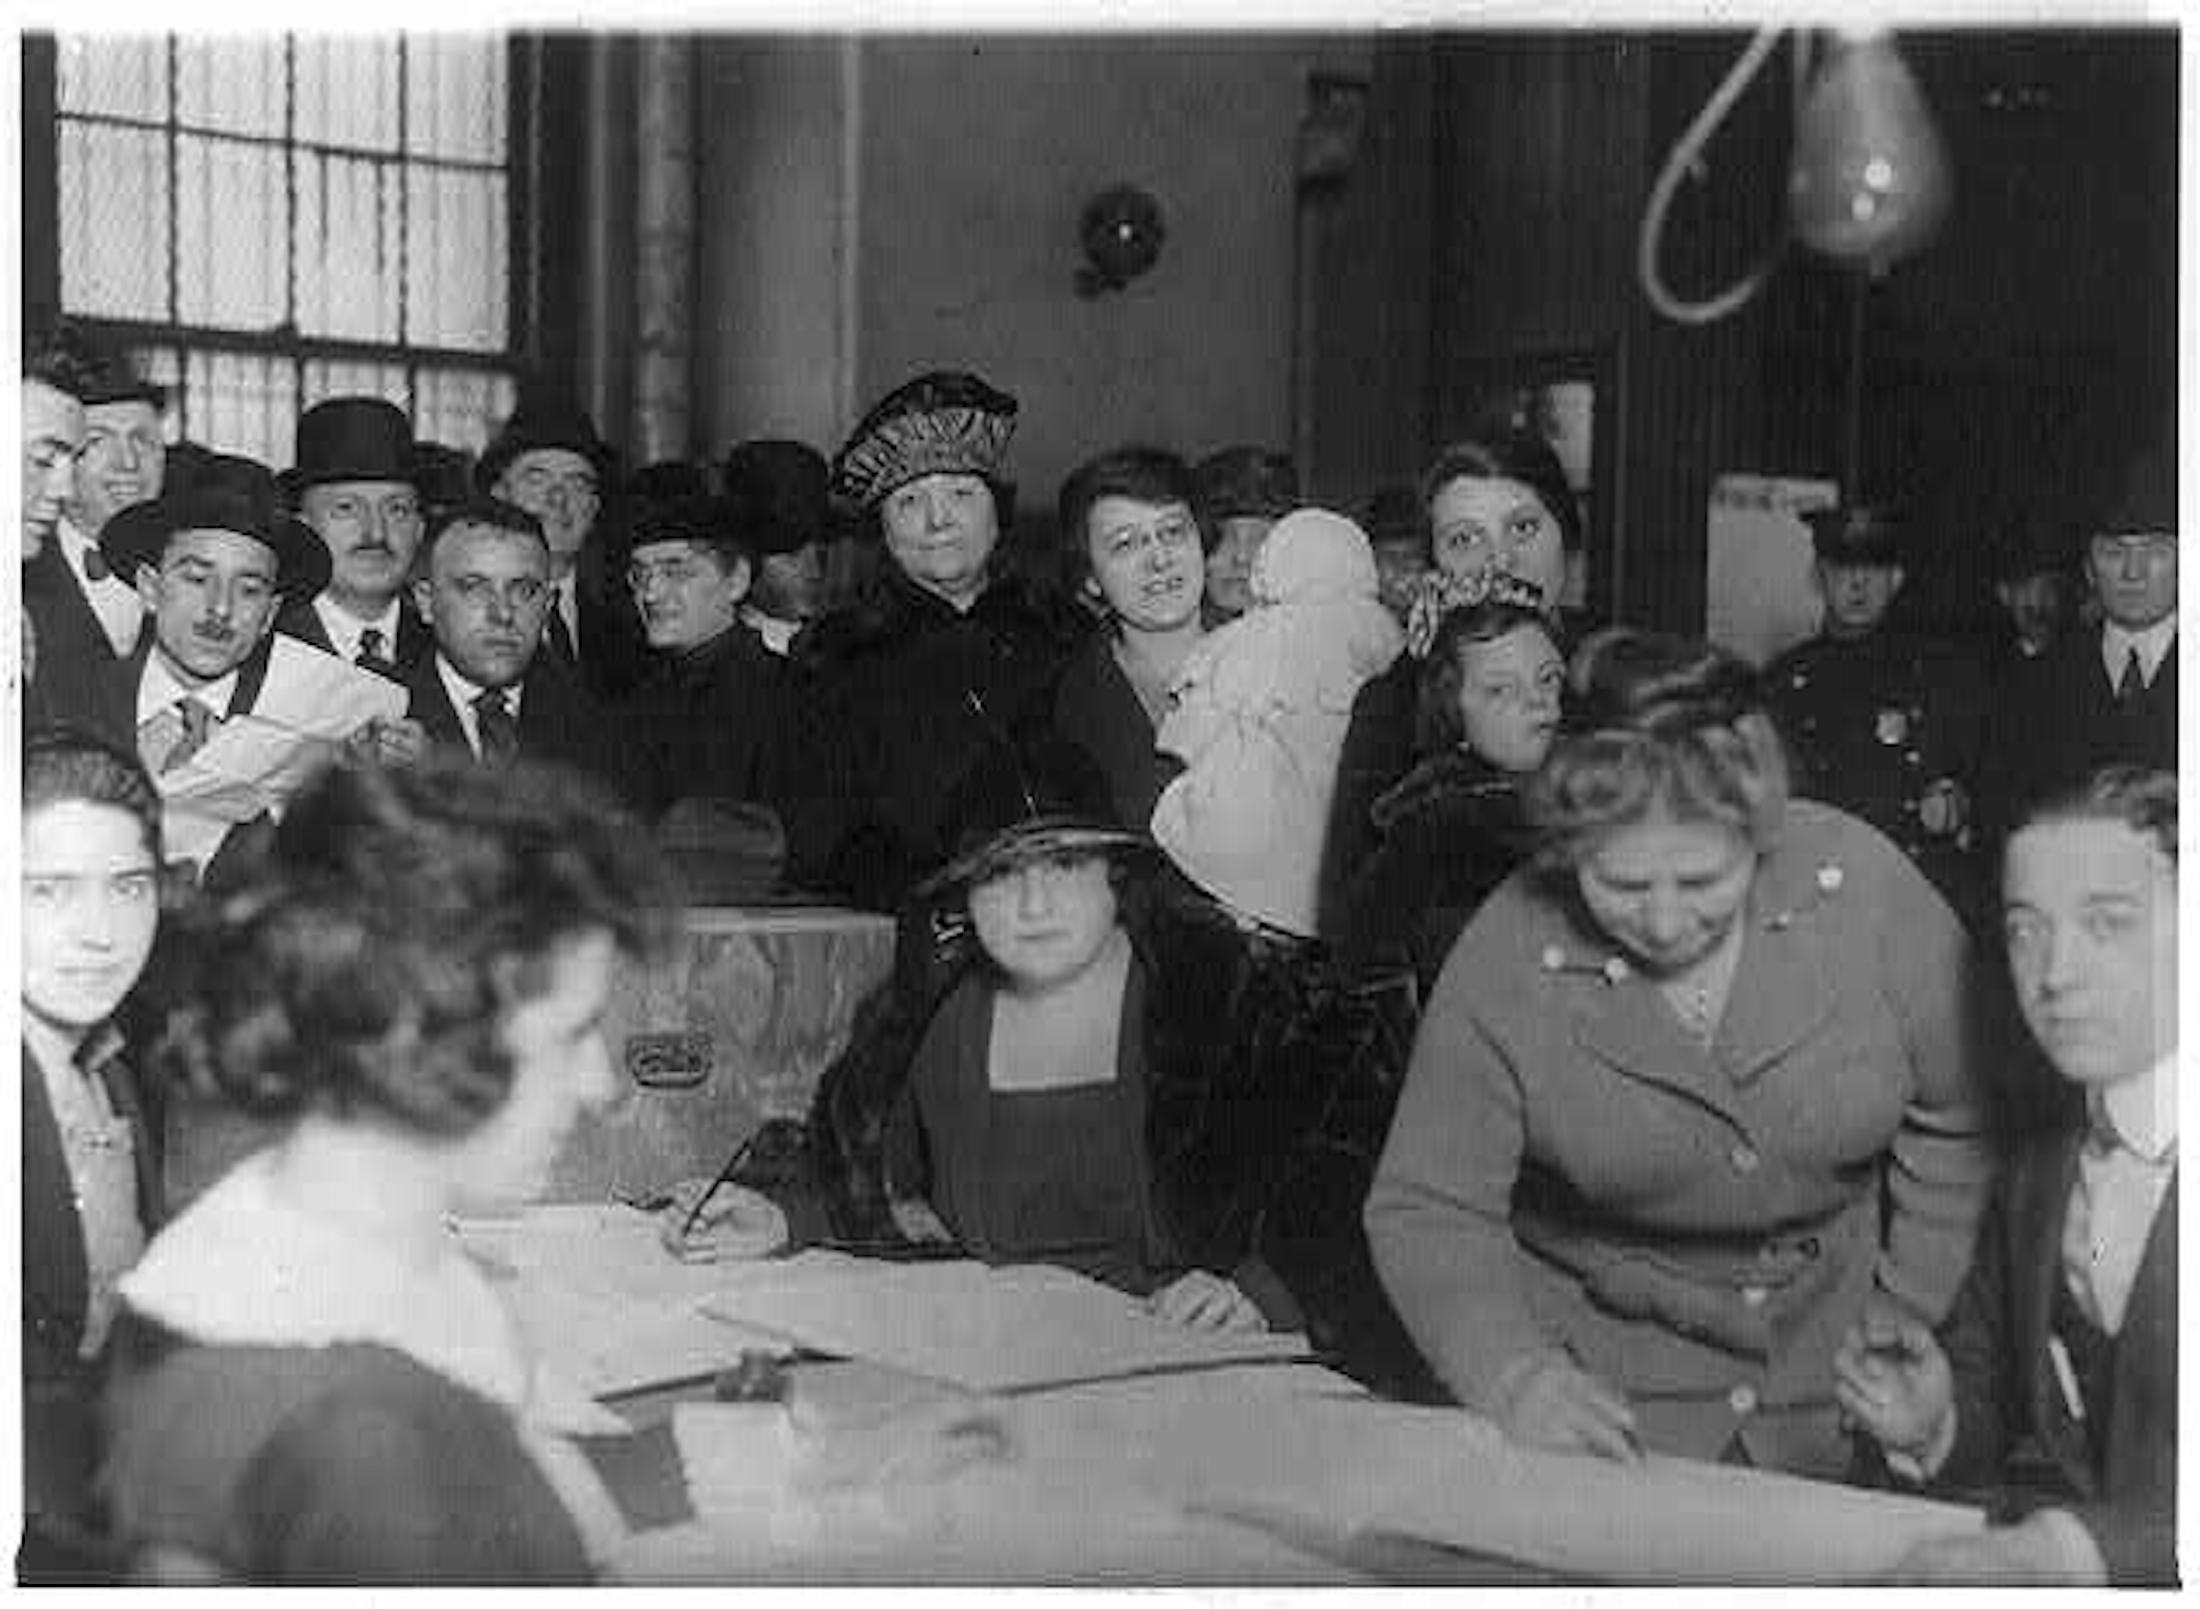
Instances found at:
x=91 y=900
x=1666 y=892
x=1482 y=523
x=1045 y=920
x=561 y=1068
x=1508 y=697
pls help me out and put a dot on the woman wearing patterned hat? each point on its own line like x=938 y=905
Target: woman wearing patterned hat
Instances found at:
x=1693 y=1094
x=944 y=657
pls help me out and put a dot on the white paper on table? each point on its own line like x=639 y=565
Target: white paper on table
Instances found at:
x=987 y=1329
x=1445 y=1476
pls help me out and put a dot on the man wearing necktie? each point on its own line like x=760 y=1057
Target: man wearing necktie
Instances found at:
x=550 y=462
x=2107 y=696
x=2056 y=1375
x=490 y=687
x=354 y=483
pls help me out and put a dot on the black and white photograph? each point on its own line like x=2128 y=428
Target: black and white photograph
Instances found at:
x=1113 y=800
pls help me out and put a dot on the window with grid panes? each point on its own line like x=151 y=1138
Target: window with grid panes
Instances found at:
x=266 y=221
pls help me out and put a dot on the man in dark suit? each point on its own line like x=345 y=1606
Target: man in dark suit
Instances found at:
x=353 y=483
x=491 y=688
x=2056 y=1374
x=83 y=615
x=212 y=560
x=2107 y=696
x=550 y=462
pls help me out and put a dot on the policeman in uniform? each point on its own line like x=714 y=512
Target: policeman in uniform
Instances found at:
x=1884 y=723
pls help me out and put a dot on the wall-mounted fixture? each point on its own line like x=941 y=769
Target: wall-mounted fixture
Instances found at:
x=1121 y=232
x=1868 y=180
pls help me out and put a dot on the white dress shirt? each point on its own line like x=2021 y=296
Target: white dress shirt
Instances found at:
x=160 y=689
x=2124 y=1171
x=462 y=694
x=345 y=628
x=112 y=598
x=2152 y=643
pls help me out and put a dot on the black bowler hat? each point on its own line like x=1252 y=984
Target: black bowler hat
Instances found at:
x=2146 y=502
x=1856 y=533
x=2035 y=540
x=73 y=360
x=698 y=519
x=220 y=493
x=669 y=480
x=533 y=428
x=776 y=495
x=350 y=438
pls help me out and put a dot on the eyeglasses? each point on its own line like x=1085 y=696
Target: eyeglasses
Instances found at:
x=672 y=572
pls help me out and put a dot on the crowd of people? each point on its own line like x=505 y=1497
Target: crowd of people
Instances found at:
x=1304 y=923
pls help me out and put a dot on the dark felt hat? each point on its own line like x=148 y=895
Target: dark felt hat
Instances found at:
x=776 y=494
x=2034 y=540
x=533 y=427
x=1246 y=480
x=694 y=518
x=444 y=475
x=1027 y=801
x=220 y=493
x=669 y=480
x=1856 y=533
x=350 y=438
x=942 y=422
x=2146 y=501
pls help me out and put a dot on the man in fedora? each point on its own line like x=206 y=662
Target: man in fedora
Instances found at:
x=492 y=688
x=1884 y=722
x=550 y=462
x=212 y=560
x=353 y=483
x=776 y=502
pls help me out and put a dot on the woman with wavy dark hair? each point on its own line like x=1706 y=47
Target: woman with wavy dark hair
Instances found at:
x=311 y=1380
x=1695 y=1093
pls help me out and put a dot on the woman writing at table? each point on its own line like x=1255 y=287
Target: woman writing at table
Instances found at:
x=1690 y=1098
x=312 y=1382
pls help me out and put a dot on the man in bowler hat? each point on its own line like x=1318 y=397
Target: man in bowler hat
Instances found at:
x=776 y=501
x=1885 y=723
x=353 y=482
x=550 y=461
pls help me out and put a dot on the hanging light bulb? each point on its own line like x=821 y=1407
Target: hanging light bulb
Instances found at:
x=1870 y=180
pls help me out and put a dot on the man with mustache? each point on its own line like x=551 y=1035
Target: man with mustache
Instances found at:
x=212 y=559
x=491 y=688
x=353 y=482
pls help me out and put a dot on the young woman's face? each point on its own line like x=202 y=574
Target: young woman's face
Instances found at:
x=561 y=1068
x=1666 y=891
x=1508 y=697
x=1482 y=523
x=1046 y=920
x=91 y=900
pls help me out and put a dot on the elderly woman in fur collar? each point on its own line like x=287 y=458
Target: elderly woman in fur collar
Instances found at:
x=311 y=1381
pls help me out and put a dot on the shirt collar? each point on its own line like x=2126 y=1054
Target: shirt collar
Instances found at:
x=2141 y=1113
x=772 y=631
x=2152 y=643
x=463 y=692
x=159 y=689
x=345 y=628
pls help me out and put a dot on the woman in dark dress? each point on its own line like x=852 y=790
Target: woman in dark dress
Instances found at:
x=1497 y=505
x=1452 y=830
x=1128 y=524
